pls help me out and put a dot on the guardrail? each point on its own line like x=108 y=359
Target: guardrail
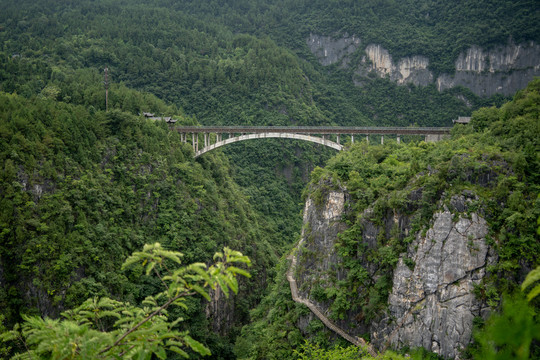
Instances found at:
x=321 y=130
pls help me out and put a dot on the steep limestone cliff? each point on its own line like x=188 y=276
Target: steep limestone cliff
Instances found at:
x=432 y=305
x=502 y=70
x=331 y=50
x=432 y=302
x=408 y=70
x=317 y=258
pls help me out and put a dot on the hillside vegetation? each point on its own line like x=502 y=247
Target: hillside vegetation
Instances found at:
x=82 y=188
x=247 y=63
x=81 y=191
x=504 y=142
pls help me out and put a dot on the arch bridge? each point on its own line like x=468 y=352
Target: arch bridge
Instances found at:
x=331 y=136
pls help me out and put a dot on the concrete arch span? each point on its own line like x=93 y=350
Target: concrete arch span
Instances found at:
x=325 y=142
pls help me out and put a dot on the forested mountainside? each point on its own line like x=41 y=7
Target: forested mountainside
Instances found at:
x=415 y=245
x=81 y=191
x=248 y=62
x=82 y=187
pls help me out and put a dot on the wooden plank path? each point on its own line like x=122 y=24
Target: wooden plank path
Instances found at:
x=329 y=324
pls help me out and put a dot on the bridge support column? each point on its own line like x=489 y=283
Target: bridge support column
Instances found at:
x=352 y=139
x=382 y=139
x=205 y=139
x=195 y=141
x=337 y=138
x=398 y=140
x=433 y=137
x=367 y=138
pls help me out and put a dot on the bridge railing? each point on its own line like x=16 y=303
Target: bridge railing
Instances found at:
x=216 y=132
x=321 y=130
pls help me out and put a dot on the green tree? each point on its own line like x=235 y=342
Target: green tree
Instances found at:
x=510 y=334
x=313 y=351
x=103 y=328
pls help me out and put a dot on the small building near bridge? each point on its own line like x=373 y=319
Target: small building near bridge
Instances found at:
x=167 y=119
x=462 y=120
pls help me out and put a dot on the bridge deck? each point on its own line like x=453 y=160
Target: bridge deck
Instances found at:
x=320 y=130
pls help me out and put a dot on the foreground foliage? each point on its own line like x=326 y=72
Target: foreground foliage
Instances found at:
x=103 y=328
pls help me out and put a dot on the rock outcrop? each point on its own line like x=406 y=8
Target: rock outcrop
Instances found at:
x=317 y=257
x=432 y=303
x=331 y=50
x=220 y=311
x=412 y=69
x=322 y=224
x=502 y=70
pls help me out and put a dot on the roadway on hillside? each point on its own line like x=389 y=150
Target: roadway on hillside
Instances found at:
x=329 y=324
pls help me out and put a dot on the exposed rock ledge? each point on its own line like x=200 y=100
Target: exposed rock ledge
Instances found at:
x=433 y=305
x=504 y=69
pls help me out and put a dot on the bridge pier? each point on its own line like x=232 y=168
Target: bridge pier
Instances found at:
x=352 y=139
x=367 y=138
x=398 y=140
x=337 y=138
x=382 y=139
x=433 y=137
x=195 y=141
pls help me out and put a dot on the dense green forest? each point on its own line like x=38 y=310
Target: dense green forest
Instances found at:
x=83 y=188
x=82 y=191
x=217 y=62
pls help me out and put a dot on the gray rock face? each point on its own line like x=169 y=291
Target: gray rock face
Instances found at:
x=502 y=70
x=407 y=70
x=333 y=50
x=321 y=228
x=220 y=311
x=433 y=305
x=317 y=257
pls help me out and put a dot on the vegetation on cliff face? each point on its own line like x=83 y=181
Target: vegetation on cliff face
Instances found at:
x=436 y=29
x=495 y=157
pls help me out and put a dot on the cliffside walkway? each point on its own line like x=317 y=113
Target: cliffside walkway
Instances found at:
x=329 y=324
x=331 y=136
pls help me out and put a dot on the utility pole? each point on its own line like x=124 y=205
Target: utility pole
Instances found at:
x=106 y=83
